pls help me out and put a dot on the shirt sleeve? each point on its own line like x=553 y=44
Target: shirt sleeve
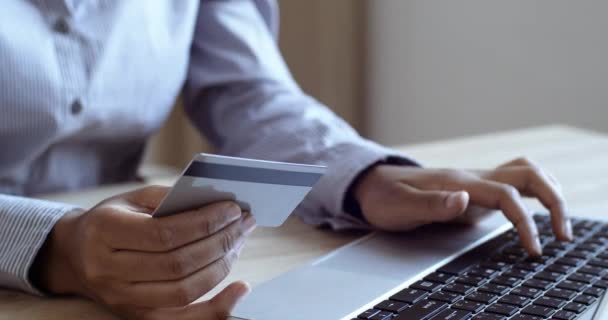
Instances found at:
x=24 y=226
x=242 y=97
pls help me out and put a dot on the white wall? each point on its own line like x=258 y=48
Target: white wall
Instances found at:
x=443 y=68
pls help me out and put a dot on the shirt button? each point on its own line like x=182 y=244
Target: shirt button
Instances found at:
x=62 y=26
x=76 y=107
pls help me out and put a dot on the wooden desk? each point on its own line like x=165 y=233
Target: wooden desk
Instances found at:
x=578 y=158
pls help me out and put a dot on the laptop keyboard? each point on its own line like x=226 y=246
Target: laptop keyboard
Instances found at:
x=498 y=281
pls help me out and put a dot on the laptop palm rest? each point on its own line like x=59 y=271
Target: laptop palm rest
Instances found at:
x=362 y=273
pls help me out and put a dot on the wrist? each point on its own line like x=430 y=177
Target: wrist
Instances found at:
x=52 y=271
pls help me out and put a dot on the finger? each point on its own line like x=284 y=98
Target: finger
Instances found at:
x=148 y=197
x=218 y=308
x=520 y=162
x=133 y=231
x=181 y=292
x=534 y=182
x=427 y=207
x=501 y=196
x=136 y=266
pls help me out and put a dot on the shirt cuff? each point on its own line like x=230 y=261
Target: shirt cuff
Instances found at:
x=24 y=227
x=345 y=163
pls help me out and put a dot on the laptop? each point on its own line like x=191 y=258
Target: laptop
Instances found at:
x=469 y=272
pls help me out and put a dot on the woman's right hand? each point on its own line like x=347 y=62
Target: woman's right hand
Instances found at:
x=143 y=267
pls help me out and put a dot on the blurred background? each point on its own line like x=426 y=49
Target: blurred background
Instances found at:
x=411 y=71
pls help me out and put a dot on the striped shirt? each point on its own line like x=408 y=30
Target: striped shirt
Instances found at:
x=85 y=83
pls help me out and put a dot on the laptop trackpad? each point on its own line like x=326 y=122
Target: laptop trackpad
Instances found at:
x=353 y=276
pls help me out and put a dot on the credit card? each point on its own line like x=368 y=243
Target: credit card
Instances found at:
x=269 y=190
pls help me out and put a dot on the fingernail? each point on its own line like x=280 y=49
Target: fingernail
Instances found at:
x=232 y=211
x=537 y=246
x=248 y=224
x=568 y=230
x=455 y=199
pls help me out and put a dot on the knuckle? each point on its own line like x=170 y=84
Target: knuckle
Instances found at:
x=228 y=240
x=524 y=160
x=177 y=265
x=164 y=236
x=184 y=295
x=508 y=191
x=91 y=272
x=225 y=265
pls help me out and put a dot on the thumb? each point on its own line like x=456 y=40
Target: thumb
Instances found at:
x=225 y=301
x=437 y=206
x=146 y=199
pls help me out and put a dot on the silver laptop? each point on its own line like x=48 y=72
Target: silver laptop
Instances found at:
x=420 y=275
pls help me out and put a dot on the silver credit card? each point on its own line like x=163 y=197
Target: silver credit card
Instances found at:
x=269 y=190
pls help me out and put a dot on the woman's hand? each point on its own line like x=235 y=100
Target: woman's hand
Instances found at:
x=400 y=198
x=143 y=267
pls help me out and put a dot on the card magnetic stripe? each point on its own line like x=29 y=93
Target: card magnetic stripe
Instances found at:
x=249 y=174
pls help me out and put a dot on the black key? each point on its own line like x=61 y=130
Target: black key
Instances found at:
x=515 y=250
x=541 y=259
x=526 y=317
x=451 y=314
x=561 y=293
x=496 y=265
x=506 y=281
x=472 y=306
x=493 y=288
x=591 y=270
x=550 y=302
x=503 y=309
x=426 y=286
x=482 y=297
x=409 y=295
x=549 y=276
x=564 y=315
x=439 y=277
x=575 y=307
x=382 y=315
x=591 y=247
x=579 y=254
x=582 y=277
x=571 y=285
x=538 y=284
x=422 y=310
x=585 y=299
x=599 y=263
x=517 y=273
x=508 y=258
x=529 y=265
x=601 y=284
x=459 y=288
x=559 y=268
x=573 y=262
x=471 y=280
x=488 y=316
x=483 y=272
x=594 y=292
x=527 y=292
x=539 y=311
x=391 y=306
x=551 y=252
x=603 y=256
x=444 y=296
x=559 y=245
x=368 y=314
x=515 y=300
